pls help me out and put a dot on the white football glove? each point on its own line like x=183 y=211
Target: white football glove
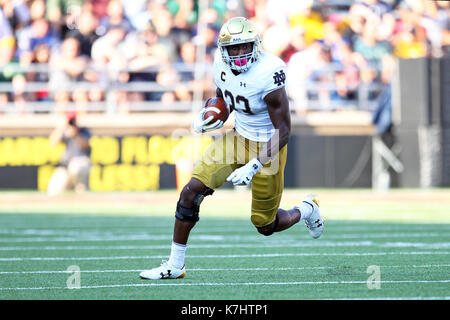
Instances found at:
x=200 y=125
x=243 y=175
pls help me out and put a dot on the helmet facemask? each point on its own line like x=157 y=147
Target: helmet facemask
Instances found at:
x=242 y=62
x=236 y=31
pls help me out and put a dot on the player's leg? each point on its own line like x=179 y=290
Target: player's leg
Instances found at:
x=267 y=189
x=58 y=182
x=188 y=207
x=266 y=214
x=310 y=213
x=186 y=216
x=78 y=169
x=307 y=211
x=207 y=175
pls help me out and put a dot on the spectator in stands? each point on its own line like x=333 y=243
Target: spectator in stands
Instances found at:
x=63 y=14
x=73 y=169
x=277 y=38
x=148 y=50
x=366 y=38
x=16 y=79
x=41 y=56
x=38 y=10
x=4 y=99
x=133 y=8
x=183 y=12
x=86 y=31
x=167 y=76
x=168 y=39
x=111 y=53
x=296 y=43
x=96 y=96
x=347 y=78
x=62 y=101
x=367 y=44
x=110 y=50
x=68 y=66
x=210 y=37
x=115 y=18
x=323 y=96
x=371 y=52
x=80 y=97
x=345 y=71
x=409 y=39
x=380 y=12
x=19 y=95
x=310 y=19
x=40 y=31
x=299 y=69
x=7 y=41
x=143 y=18
x=444 y=21
x=435 y=22
x=7 y=50
x=17 y=13
x=187 y=57
x=99 y=7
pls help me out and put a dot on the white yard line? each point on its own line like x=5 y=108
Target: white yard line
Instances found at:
x=394 y=298
x=222 y=229
x=221 y=237
x=222 y=269
x=183 y=284
x=283 y=243
x=263 y=255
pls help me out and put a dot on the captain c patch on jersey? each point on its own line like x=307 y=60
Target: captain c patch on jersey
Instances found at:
x=279 y=77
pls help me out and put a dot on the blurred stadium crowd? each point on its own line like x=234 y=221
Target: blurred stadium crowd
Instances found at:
x=83 y=53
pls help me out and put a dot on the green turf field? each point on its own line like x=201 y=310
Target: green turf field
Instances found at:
x=226 y=257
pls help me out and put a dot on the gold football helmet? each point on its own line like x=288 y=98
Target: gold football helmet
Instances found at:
x=236 y=31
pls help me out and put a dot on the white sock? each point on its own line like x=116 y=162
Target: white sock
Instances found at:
x=305 y=211
x=177 y=254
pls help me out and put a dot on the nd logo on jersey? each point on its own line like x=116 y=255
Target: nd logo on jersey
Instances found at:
x=279 y=78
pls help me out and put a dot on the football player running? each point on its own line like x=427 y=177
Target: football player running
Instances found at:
x=252 y=82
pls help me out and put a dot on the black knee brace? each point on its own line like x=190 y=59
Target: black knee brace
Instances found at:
x=191 y=214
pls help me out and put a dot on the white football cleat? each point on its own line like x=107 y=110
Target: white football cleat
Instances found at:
x=314 y=222
x=164 y=271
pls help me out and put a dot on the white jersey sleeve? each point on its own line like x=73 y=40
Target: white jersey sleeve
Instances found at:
x=275 y=77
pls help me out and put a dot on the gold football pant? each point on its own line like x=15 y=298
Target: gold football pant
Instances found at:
x=232 y=151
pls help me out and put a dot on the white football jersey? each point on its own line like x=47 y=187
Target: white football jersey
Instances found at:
x=245 y=93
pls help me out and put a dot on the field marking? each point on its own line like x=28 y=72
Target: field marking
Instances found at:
x=223 y=269
x=284 y=244
x=212 y=237
x=263 y=255
x=239 y=227
x=226 y=284
x=391 y=298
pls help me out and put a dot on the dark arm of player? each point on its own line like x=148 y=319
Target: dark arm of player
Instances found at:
x=278 y=107
x=219 y=94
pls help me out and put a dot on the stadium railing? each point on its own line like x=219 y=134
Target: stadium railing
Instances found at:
x=365 y=94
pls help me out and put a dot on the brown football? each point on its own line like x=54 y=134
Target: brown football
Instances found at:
x=217 y=108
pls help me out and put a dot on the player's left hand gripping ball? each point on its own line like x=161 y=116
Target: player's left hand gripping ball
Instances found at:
x=201 y=125
x=243 y=175
x=212 y=116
